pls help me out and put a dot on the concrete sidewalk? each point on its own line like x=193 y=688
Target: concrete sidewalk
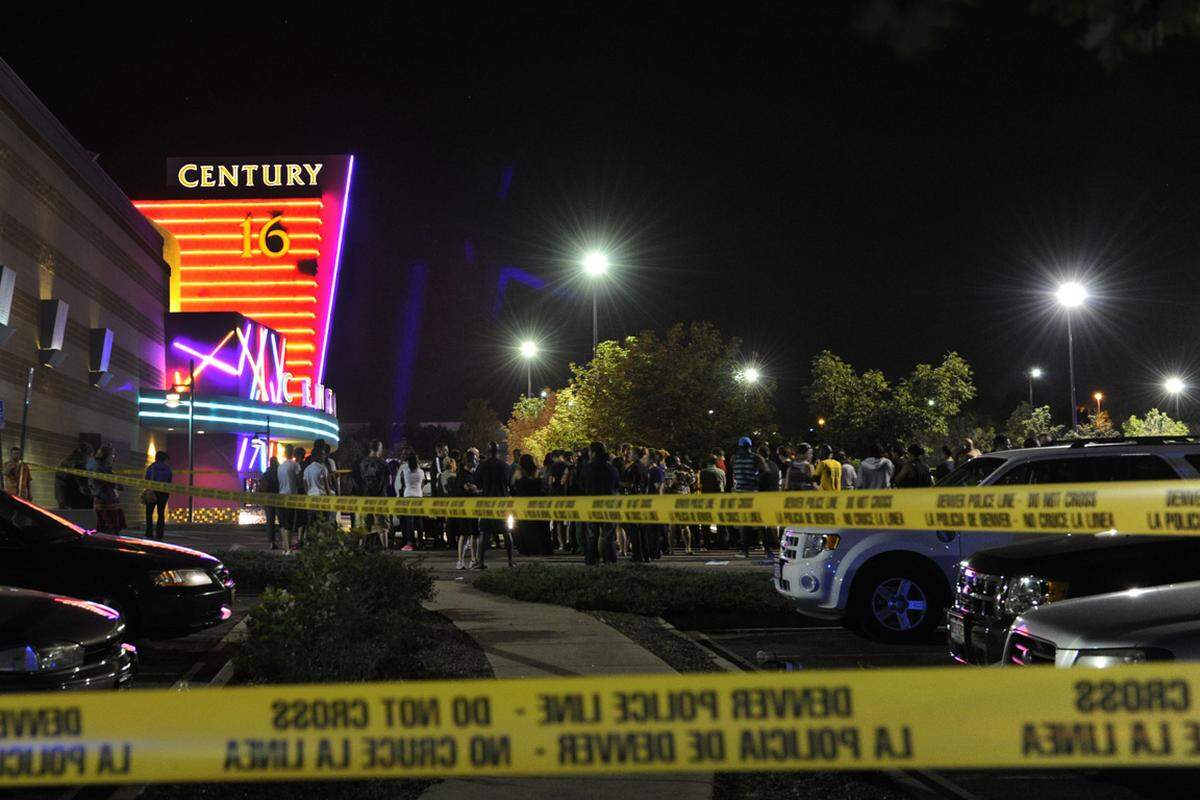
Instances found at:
x=534 y=640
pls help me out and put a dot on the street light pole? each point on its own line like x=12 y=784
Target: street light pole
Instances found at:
x=1071 y=370
x=1071 y=295
x=595 y=264
x=191 y=436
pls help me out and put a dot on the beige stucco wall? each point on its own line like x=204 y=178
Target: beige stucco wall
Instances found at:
x=65 y=241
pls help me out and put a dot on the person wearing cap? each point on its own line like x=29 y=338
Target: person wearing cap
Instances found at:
x=745 y=469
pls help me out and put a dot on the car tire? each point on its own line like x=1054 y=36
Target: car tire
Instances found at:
x=898 y=600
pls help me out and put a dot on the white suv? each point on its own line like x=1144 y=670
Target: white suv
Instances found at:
x=896 y=585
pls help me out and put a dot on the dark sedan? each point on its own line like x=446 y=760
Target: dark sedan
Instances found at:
x=50 y=642
x=160 y=589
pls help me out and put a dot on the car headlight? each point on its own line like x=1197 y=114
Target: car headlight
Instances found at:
x=181 y=577
x=1029 y=591
x=28 y=658
x=816 y=543
x=1115 y=657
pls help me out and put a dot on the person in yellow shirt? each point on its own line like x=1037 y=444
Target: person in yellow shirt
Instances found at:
x=829 y=470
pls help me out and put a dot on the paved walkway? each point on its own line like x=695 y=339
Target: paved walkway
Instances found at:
x=532 y=640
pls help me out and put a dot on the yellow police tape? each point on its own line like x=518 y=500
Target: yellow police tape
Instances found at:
x=837 y=720
x=1137 y=507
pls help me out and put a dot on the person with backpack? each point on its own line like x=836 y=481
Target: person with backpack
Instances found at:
x=371 y=474
x=915 y=471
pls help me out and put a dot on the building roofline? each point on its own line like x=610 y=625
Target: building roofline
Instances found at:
x=54 y=138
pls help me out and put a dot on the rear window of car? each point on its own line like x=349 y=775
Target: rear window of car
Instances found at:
x=973 y=472
x=1088 y=469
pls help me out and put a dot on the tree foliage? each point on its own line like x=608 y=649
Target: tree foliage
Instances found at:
x=860 y=408
x=652 y=389
x=1026 y=421
x=1156 y=423
x=1100 y=426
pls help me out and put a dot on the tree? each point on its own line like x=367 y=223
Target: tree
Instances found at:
x=1027 y=421
x=1156 y=423
x=679 y=389
x=480 y=425
x=530 y=415
x=1100 y=426
x=862 y=408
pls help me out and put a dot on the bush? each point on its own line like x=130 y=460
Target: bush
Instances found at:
x=346 y=615
x=638 y=589
x=255 y=570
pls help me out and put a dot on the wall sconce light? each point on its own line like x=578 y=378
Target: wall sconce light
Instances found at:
x=99 y=351
x=52 y=330
x=8 y=283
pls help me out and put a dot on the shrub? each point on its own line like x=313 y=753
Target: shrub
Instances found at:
x=637 y=589
x=255 y=570
x=346 y=615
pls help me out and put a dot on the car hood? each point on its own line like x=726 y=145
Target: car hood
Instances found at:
x=1157 y=617
x=37 y=618
x=1096 y=564
x=155 y=553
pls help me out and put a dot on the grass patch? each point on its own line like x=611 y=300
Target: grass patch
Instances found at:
x=680 y=595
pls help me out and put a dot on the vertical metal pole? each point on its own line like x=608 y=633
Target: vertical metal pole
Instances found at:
x=191 y=436
x=595 y=324
x=25 y=412
x=1031 y=391
x=1071 y=366
x=529 y=377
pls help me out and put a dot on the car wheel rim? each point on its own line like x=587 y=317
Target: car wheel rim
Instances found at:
x=899 y=604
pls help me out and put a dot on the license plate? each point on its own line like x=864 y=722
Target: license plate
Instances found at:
x=778 y=570
x=958 y=633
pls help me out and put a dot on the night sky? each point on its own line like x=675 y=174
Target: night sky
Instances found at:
x=776 y=172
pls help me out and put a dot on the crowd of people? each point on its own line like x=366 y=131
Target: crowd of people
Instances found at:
x=587 y=471
x=624 y=469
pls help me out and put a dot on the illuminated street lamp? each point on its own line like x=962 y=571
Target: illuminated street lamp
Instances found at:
x=529 y=351
x=820 y=422
x=1098 y=396
x=1071 y=295
x=595 y=264
x=751 y=375
x=1034 y=374
x=1175 y=387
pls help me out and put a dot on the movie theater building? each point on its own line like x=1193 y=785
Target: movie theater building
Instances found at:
x=255 y=247
x=84 y=291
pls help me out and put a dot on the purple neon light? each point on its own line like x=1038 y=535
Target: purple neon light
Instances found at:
x=337 y=265
x=210 y=359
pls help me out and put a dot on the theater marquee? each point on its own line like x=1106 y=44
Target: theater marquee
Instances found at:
x=262 y=237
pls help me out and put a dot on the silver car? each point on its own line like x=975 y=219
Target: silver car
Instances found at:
x=1160 y=623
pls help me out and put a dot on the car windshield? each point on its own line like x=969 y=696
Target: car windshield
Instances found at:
x=973 y=472
x=28 y=524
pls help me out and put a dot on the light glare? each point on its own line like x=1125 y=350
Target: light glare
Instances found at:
x=529 y=349
x=1036 y=372
x=595 y=263
x=1174 y=385
x=1071 y=294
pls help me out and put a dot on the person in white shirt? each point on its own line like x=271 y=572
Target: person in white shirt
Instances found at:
x=410 y=482
x=875 y=471
x=849 y=473
x=316 y=482
x=290 y=482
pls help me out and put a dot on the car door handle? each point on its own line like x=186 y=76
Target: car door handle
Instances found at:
x=946 y=536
